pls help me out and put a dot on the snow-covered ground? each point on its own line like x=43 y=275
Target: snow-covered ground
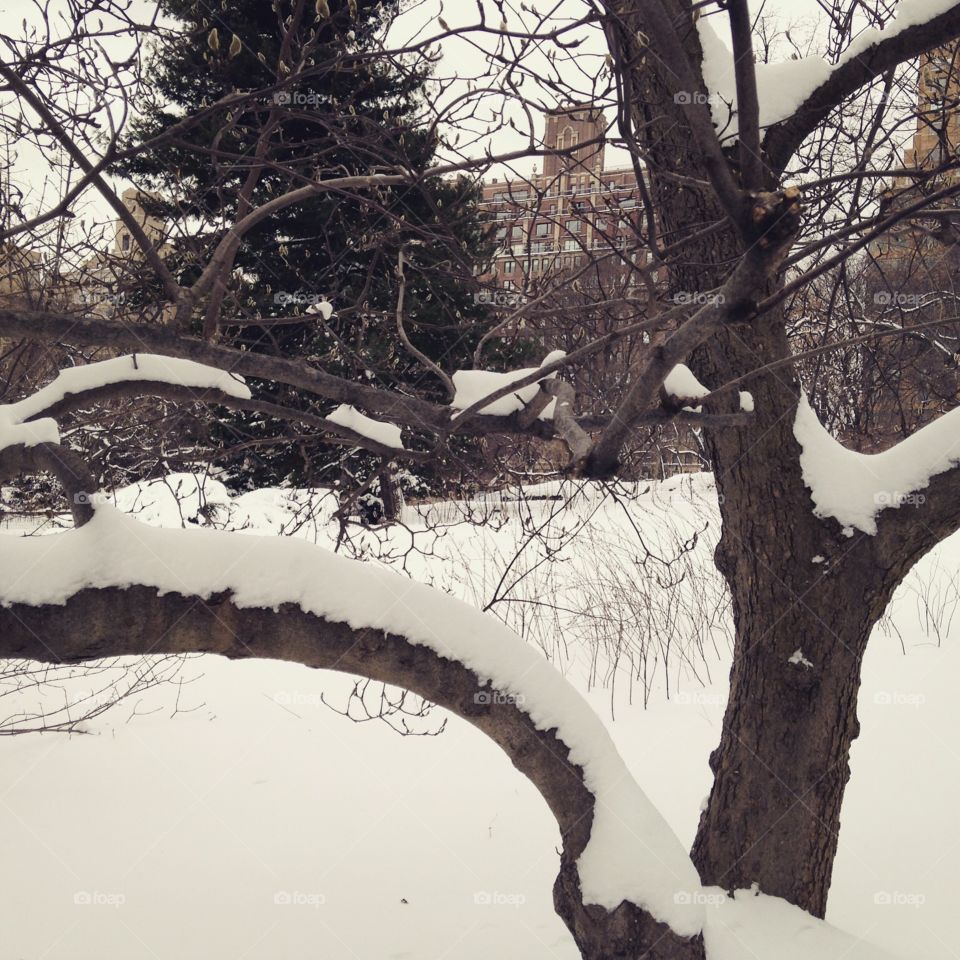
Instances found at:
x=256 y=823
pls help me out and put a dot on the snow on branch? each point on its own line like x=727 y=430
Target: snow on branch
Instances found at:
x=385 y=434
x=631 y=854
x=681 y=384
x=781 y=86
x=473 y=385
x=853 y=488
x=784 y=87
x=13 y=433
x=138 y=367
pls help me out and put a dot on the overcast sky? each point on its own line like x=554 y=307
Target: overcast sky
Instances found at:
x=463 y=58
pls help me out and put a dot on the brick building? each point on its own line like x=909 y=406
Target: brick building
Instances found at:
x=552 y=221
x=936 y=141
x=580 y=217
x=938 y=119
x=912 y=276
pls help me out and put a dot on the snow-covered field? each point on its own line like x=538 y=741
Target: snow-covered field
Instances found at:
x=256 y=823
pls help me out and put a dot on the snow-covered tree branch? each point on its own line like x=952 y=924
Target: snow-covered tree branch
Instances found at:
x=308 y=247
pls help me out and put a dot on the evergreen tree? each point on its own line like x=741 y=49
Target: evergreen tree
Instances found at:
x=347 y=112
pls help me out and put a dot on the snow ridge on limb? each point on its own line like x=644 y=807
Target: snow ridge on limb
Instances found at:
x=30 y=440
x=472 y=386
x=853 y=488
x=682 y=385
x=631 y=855
x=23 y=422
x=784 y=87
x=14 y=433
x=748 y=925
x=386 y=434
x=137 y=367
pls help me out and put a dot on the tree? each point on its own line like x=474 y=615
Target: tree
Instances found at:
x=331 y=107
x=810 y=565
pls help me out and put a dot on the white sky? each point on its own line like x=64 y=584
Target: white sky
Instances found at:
x=462 y=58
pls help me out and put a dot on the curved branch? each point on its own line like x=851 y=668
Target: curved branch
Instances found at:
x=112 y=591
x=134 y=389
x=405 y=340
x=783 y=139
x=90 y=331
x=419 y=415
x=924 y=520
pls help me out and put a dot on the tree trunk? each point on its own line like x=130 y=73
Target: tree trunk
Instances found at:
x=782 y=764
x=773 y=816
x=802 y=627
x=627 y=933
x=390 y=495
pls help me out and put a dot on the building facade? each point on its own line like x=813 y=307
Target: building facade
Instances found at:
x=575 y=210
x=938 y=119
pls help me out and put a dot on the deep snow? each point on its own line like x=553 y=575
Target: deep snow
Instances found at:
x=262 y=825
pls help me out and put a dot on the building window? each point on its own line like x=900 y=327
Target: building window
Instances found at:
x=508 y=266
x=571 y=245
x=125 y=241
x=573 y=226
x=542 y=229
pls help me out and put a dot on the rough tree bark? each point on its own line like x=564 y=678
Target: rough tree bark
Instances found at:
x=782 y=764
x=95 y=623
